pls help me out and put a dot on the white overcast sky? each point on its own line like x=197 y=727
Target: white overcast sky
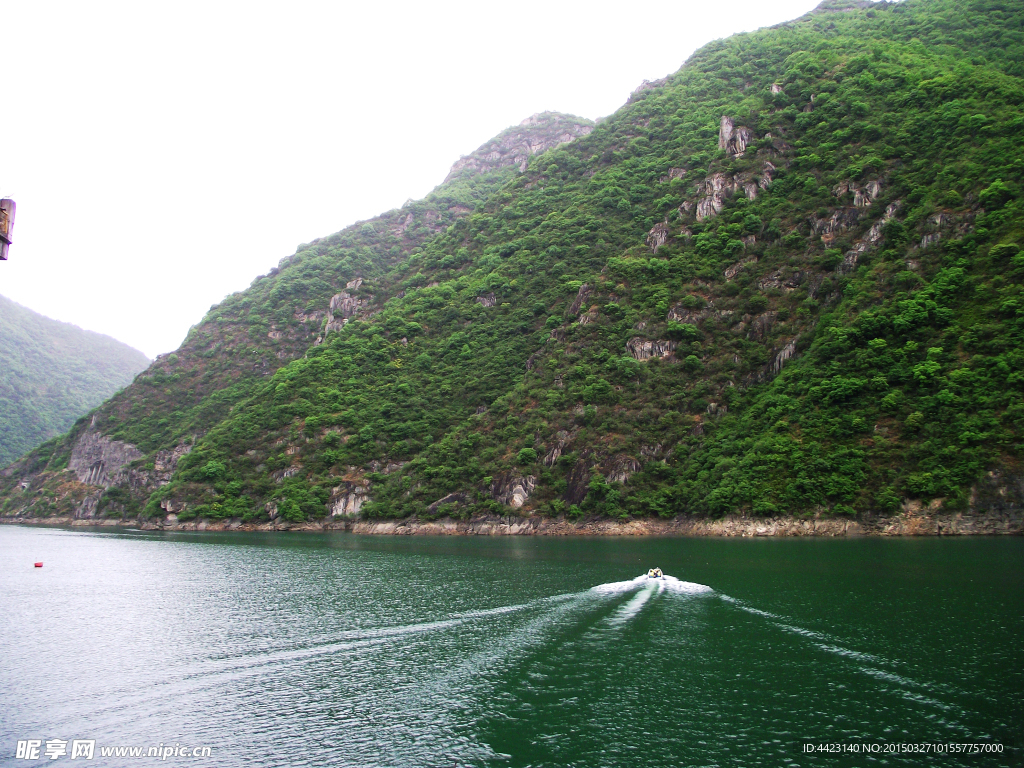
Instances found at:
x=163 y=154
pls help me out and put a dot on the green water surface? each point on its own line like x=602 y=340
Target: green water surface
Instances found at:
x=341 y=650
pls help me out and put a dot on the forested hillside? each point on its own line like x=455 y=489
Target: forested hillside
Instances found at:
x=51 y=373
x=784 y=280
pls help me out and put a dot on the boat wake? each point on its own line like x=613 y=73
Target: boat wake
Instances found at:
x=660 y=584
x=865 y=663
x=618 y=587
x=646 y=587
x=634 y=606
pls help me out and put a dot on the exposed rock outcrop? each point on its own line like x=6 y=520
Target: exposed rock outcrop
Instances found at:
x=343 y=306
x=581 y=296
x=562 y=439
x=657 y=236
x=645 y=349
x=715 y=188
x=577 y=484
x=348 y=498
x=732 y=138
x=699 y=317
x=98 y=460
x=399 y=229
x=309 y=317
x=778 y=360
x=452 y=498
x=999 y=494
x=673 y=173
x=589 y=316
x=386 y=467
x=87 y=509
x=831 y=226
x=761 y=325
x=515 y=146
x=862 y=196
x=164 y=464
x=937 y=224
x=780 y=281
x=646 y=85
x=281 y=475
x=620 y=468
x=732 y=271
x=718 y=187
x=650 y=451
x=512 y=489
x=870 y=240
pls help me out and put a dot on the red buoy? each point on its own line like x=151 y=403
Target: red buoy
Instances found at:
x=39 y=565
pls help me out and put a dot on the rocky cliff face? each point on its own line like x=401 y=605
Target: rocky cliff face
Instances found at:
x=96 y=464
x=98 y=460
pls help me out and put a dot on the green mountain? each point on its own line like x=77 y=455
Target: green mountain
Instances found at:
x=52 y=373
x=784 y=280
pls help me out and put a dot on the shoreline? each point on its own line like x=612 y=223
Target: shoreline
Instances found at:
x=906 y=524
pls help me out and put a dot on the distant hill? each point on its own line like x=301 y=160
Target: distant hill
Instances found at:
x=52 y=373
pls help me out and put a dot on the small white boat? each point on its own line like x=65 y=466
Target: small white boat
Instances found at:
x=654 y=573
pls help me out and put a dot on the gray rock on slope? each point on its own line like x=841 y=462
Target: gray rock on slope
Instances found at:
x=732 y=138
x=515 y=146
x=98 y=460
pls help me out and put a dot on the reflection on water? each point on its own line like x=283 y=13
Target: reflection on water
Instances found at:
x=364 y=651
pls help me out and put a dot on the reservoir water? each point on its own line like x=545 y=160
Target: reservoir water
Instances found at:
x=341 y=650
